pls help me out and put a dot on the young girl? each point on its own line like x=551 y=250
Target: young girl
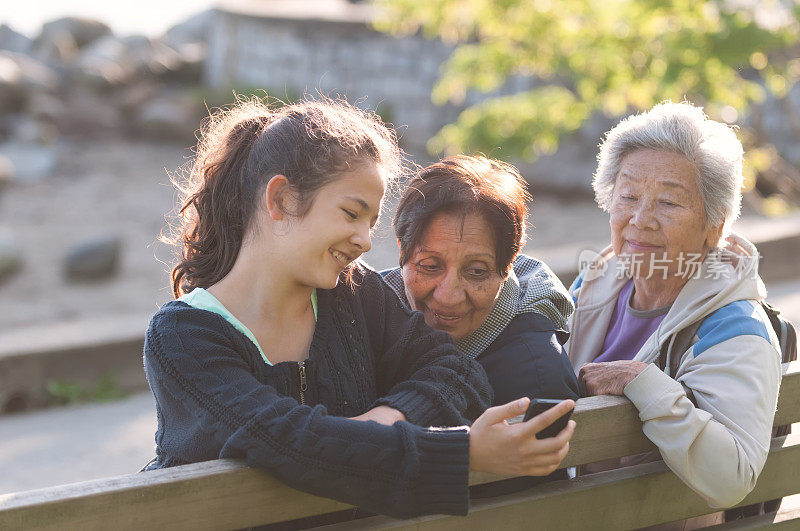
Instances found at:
x=278 y=334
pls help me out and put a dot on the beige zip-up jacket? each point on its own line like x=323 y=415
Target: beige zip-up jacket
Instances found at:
x=733 y=368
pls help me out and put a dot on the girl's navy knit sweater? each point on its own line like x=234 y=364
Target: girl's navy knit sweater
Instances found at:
x=216 y=398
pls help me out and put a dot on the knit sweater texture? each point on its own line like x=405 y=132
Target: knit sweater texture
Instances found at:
x=216 y=398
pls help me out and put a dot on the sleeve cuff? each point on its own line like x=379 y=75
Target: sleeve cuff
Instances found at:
x=443 y=486
x=649 y=386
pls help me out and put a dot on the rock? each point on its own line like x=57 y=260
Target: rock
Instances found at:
x=191 y=60
x=182 y=65
x=30 y=162
x=131 y=98
x=12 y=94
x=89 y=114
x=45 y=107
x=35 y=76
x=151 y=59
x=195 y=29
x=93 y=260
x=10 y=255
x=157 y=60
x=56 y=49
x=31 y=131
x=173 y=116
x=104 y=63
x=14 y=41
x=82 y=30
x=137 y=94
x=137 y=43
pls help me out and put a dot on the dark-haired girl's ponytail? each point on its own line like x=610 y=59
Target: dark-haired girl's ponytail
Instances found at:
x=216 y=212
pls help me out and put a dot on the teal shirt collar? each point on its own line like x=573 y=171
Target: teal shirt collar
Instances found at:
x=203 y=300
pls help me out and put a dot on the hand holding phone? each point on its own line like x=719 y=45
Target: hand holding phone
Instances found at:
x=540 y=405
x=499 y=445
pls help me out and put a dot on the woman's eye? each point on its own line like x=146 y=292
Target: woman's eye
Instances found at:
x=428 y=268
x=669 y=203
x=350 y=213
x=628 y=197
x=477 y=272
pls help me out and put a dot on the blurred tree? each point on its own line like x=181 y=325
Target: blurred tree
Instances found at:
x=575 y=58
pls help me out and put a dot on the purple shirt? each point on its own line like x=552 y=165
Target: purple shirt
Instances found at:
x=629 y=328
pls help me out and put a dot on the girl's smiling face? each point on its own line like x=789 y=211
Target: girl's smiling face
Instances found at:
x=337 y=228
x=451 y=276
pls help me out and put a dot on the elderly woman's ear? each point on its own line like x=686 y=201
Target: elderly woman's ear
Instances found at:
x=714 y=236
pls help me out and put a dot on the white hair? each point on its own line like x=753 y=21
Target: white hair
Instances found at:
x=684 y=129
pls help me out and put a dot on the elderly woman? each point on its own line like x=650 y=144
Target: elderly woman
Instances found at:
x=677 y=289
x=460 y=225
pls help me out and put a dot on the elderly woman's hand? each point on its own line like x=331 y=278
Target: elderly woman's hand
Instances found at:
x=608 y=378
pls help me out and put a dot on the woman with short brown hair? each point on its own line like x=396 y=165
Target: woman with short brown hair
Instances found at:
x=460 y=225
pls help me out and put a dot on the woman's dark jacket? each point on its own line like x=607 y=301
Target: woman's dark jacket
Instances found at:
x=216 y=398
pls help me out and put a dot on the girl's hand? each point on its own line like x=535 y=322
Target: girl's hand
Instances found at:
x=500 y=448
x=382 y=415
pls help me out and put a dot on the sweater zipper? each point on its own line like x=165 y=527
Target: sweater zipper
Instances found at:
x=303 y=383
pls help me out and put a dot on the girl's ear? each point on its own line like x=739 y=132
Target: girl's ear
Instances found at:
x=275 y=195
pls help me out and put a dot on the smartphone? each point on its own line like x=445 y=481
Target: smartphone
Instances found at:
x=540 y=405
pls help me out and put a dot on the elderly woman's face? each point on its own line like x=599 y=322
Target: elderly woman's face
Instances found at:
x=451 y=276
x=657 y=213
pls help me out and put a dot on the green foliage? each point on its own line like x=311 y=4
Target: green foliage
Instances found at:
x=584 y=57
x=103 y=390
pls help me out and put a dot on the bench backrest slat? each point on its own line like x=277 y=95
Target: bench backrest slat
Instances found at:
x=222 y=494
x=609 y=426
x=626 y=498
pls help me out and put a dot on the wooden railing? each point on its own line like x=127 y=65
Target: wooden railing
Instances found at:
x=226 y=494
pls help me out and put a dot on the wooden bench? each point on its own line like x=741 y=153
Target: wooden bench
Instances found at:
x=226 y=494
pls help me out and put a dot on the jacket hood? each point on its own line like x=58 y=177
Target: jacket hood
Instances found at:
x=540 y=291
x=726 y=275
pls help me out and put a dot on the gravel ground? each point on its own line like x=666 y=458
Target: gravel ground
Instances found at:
x=100 y=188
